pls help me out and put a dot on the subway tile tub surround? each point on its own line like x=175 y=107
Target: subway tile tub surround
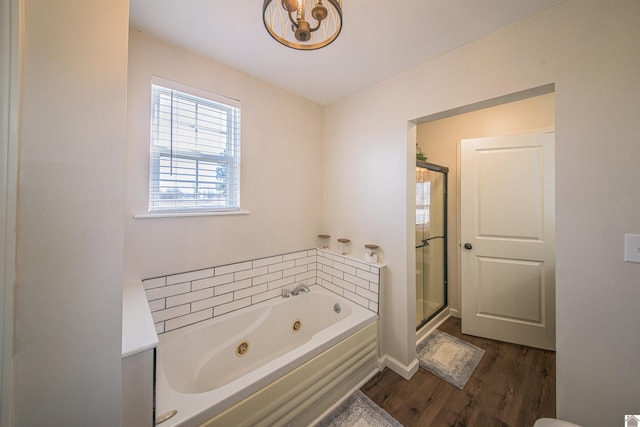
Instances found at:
x=183 y=299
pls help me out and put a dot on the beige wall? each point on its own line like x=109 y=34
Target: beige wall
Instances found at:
x=281 y=182
x=70 y=228
x=440 y=142
x=589 y=49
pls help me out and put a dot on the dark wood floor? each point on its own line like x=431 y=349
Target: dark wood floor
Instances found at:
x=512 y=386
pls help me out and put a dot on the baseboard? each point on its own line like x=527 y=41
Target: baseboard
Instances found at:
x=454 y=312
x=405 y=371
x=433 y=325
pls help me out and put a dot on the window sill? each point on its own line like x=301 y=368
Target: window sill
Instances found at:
x=188 y=214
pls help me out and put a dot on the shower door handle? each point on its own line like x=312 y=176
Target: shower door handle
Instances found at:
x=468 y=246
x=425 y=242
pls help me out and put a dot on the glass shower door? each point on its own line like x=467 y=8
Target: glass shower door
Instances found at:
x=431 y=241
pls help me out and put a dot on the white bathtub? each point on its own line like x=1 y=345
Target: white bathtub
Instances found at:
x=200 y=374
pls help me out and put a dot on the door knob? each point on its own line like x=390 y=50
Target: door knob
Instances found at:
x=468 y=246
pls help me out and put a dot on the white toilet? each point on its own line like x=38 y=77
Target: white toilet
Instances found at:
x=552 y=422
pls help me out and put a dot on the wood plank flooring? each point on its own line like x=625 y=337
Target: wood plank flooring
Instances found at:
x=512 y=386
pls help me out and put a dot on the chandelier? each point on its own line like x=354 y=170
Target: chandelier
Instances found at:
x=289 y=23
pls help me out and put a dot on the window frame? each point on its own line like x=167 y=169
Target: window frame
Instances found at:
x=157 y=152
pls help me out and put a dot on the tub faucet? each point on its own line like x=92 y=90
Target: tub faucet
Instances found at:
x=300 y=288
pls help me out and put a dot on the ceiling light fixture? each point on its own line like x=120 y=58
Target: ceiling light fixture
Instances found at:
x=286 y=21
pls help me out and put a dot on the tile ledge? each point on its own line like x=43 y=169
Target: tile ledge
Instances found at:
x=351 y=258
x=138 y=331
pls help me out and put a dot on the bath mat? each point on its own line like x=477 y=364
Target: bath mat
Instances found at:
x=448 y=357
x=358 y=411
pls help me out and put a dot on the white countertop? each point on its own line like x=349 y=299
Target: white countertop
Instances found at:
x=138 y=330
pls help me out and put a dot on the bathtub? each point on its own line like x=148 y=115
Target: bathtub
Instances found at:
x=264 y=359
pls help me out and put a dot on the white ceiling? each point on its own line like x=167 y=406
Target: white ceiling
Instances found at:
x=379 y=39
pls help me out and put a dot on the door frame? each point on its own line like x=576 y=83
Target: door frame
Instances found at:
x=11 y=12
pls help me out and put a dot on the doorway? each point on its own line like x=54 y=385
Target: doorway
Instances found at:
x=438 y=136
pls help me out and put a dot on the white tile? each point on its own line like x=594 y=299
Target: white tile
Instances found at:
x=211 y=302
x=374 y=269
x=267 y=278
x=334 y=257
x=159 y=327
x=373 y=306
x=294 y=271
x=374 y=287
x=274 y=293
x=368 y=276
x=323 y=282
x=306 y=276
x=332 y=271
x=189 y=297
x=357 y=281
x=168 y=291
x=232 y=268
x=285 y=281
x=249 y=291
x=281 y=266
x=267 y=261
x=232 y=287
x=248 y=274
x=156 y=305
x=170 y=313
x=312 y=252
x=345 y=268
x=371 y=296
x=189 y=276
x=324 y=276
x=344 y=284
x=189 y=319
x=305 y=260
x=356 y=264
x=333 y=288
x=211 y=281
x=356 y=298
x=325 y=261
x=294 y=255
x=235 y=305
x=154 y=283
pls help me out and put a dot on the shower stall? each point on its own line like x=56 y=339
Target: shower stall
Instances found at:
x=431 y=241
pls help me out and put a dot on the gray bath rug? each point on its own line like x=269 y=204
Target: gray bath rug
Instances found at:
x=448 y=357
x=358 y=411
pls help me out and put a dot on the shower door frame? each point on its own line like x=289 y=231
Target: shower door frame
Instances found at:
x=445 y=172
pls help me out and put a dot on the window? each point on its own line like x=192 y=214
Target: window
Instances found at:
x=423 y=202
x=423 y=196
x=195 y=150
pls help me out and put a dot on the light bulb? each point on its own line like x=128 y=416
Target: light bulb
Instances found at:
x=290 y=5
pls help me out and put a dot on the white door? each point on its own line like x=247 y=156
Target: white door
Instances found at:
x=508 y=236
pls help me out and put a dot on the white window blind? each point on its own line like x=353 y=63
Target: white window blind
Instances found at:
x=195 y=151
